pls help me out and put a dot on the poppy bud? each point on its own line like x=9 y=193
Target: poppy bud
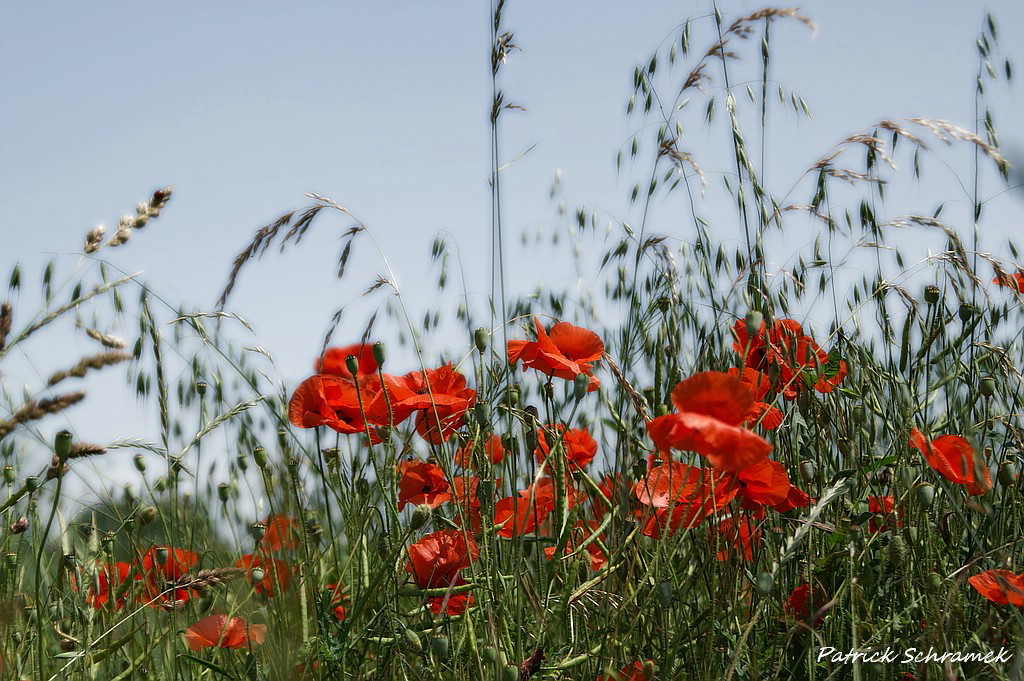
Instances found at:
x=664 y=593
x=439 y=647
x=857 y=414
x=9 y=474
x=752 y=322
x=420 y=516
x=808 y=471
x=62 y=445
x=649 y=670
x=140 y=463
x=378 y=353
x=160 y=485
x=352 y=364
x=967 y=311
x=412 y=640
x=934 y=581
x=147 y=514
x=201 y=388
x=489 y=654
x=362 y=486
x=925 y=495
x=257 y=531
x=579 y=386
x=1005 y=475
x=224 y=492
x=510 y=673
x=259 y=455
x=129 y=495
x=480 y=340
x=764 y=583
x=108 y=542
x=32 y=483
x=931 y=294
x=897 y=550
x=987 y=386
x=482 y=412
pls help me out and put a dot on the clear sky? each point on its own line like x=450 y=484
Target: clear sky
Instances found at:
x=244 y=107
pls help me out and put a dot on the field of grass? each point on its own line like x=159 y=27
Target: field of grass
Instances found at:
x=703 y=465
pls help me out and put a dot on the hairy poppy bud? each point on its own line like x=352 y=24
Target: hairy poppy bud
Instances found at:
x=224 y=492
x=482 y=412
x=579 y=386
x=140 y=463
x=32 y=483
x=665 y=593
x=257 y=531
x=352 y=364
x=420 y=516
x=378 y=353
x=9 y=475
x=147 y=514
x=439 y=647
x=62 y=445
x=752 y=323
x=987 y=386
x=201 y=388
x=931 y=294
x=480 y=340
x=259 y=455
x=412 y=640
x=764 y=583
x=925 y=495
x=808 y=471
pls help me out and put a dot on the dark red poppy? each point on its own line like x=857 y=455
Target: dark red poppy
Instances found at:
x=530 y=508
x=224 y=632
x=1014 y=281
x=492 y=449
x=1002 y=587
x=268 y=576
x=741 y=532
x=162 y=565
x=681 y=496
x=566 y=351
x=422 y=483
x=804 y=602
x=338 y=598
x=882 y=506
x=795 y=498
x=953 y=457
x=335 y=361
x=764 y=483
x=631 y=672
x=464 y=492
x=578 y=446
x=712 y=406
x=583 y=530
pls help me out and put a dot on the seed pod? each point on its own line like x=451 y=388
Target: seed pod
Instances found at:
x=257 y=531
x=857 y=414
x=489 y=654
x=256 y=575
x=934 y=581
x=140 y=463
x=352 y=364
x=259 y=455
x=439 y=647
x=32 y=483
x=967 y=312
x=378 y=353
x=201 y=388
x=925 y=495
x=480 y=340
x=160 y=555
x=808 y=471
x=9 y=474
x=931 y=294
x=62 y=445
x=482 y=412
x=665 y=592
x=513 y=396
x=752 y=322
x=224 y=492
x=987 y=386
x=1006 y=475
x=639 y=468
x=510 y=673
x=661 y=410
x=764 y=584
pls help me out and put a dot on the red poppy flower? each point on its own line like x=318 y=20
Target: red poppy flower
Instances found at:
x=326 y=400
x=338 y=598
x=438 y=396
x=1014 y=281
x=492 y=447
x=742 y=532
x=161 y=565
x=464 y=491
x=797 y=358
x=579 y=447
x=580 y=533
x=953 y=457
x=882 y=506
x=764 y=483
x=682 y=496
x=609 y=486
x=762 y=413
x=631 y=672
x=335 y=360
x=224 y=632
x=523 y=513
x=276 y=575
x=712 y=406
x=438 y=558
x=566 y=351
x=795 y=498
x=108 y=578
x=1002 y=587
x=282 y=534
x=803 y=603
x=422 y=483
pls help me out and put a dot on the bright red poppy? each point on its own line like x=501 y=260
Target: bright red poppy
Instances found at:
x=282 y=534
x=596 y=558
x=274 y=576
x=224 y=632
x=162 y=565
x=439 y=397
x=1014 y=281
x=764 y=483
x=566 y=351
x=682 y=496
x=759 y=385
x=579 y=447
x=883 y=506
x=338 y=598
x=530 y=508
x=437 y=561
x=712 y=406
x=795 y=498
x=739 y=532
x=422 y=483
x=335 y=361
x=798 y=359
x=953 y=457
x=326 y=400
x=108 y=578
x=631 y=672
x=1002 y=587
x=492 y=448
x=804 y=602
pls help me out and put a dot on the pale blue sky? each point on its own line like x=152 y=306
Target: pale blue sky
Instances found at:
x=244 y=107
